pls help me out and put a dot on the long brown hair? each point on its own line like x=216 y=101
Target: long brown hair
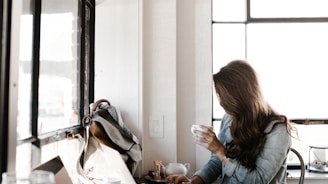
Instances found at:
x=240 y=95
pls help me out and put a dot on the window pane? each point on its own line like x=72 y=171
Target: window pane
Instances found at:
x=23 y=158
x=228 y=44
x=291 y=60
x=288 y=8
x=23 y=27
x=59 y=61
x=229 y=10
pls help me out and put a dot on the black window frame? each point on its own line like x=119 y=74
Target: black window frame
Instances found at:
x=86 y=12
x=5 y=22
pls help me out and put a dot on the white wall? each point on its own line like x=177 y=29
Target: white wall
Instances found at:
x=153 y=62
x=160 y=79
x=117 y=63
x=117 y=58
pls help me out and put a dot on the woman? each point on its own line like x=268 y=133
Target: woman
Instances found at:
x=253 y=141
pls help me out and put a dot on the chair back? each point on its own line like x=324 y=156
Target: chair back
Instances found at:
x=301 y=181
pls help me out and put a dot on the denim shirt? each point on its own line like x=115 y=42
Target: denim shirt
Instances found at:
x=271 y=166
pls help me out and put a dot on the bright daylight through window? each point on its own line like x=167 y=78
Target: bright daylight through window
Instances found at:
x=288 y=49
x=286 y=41
x=58 y=75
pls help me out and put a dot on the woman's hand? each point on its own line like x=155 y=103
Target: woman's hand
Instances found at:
x=209 y=140
x=177 y=179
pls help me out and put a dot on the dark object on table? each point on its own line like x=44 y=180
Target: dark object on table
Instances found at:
x=154 y=181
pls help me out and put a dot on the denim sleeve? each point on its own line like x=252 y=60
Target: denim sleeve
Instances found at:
x=268 y=164
x=211 y=170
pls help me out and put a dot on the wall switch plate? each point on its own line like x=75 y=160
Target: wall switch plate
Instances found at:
x=156 y=127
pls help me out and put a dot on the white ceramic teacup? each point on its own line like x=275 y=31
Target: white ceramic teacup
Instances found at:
x=199 y=128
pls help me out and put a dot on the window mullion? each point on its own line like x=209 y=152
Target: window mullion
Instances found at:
x=35 y=67
x=248 y=10
x=5 y=21
x=81 y=62
x=35 y=147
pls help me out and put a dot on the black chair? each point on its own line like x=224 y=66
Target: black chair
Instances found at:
x=301 y=181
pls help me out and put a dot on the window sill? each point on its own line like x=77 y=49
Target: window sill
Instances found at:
x=294 y=174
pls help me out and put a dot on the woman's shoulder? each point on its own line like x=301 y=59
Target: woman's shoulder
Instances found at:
x=277 y=128
x=278 y=134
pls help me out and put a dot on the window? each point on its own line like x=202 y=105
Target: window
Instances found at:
x=51 y=66
x=286 y=42
x=288 y=8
